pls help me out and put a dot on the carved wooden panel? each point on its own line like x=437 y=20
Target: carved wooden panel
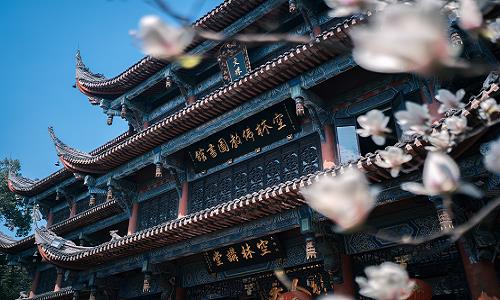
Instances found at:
x=158 y=210
x=290 y=161
x=83 y=204
x=60 y=215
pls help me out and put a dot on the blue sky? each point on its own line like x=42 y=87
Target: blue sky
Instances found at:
x=39 y=40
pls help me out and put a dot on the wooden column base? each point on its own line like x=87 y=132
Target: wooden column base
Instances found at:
x=183 y=202
x=34 y=284
x=180 y=293
x=481 y=277
x=132 y=223
x=347 y=286
x=328 y=148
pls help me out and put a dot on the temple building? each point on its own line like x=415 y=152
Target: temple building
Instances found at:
x=200 y=198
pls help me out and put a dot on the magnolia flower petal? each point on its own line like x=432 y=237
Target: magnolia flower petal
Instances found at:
x=395 y=171
x=363 y=132
x=492 y=158
x=378 y=139
x=456 y=125
x=346 y=199
x=388 y=281
x=414 y=188
x=403 y=38
x=441 y=174
x=161 y=40
x=470 y=190
x=470 y=15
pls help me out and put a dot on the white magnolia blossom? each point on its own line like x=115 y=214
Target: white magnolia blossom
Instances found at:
x=441 y=176
x=392 y=158
x=336 y=297
x=404 y=38
x=440 y=141
x=492 y=30
x=416 y=119
x=342 y=8
x=456 y=125
x=345 y=199
x=388 y=281
x=374 y=124
x=450 y=101
x=470 y=15
x=163 y=41
x=488 y=107
x=492 y=158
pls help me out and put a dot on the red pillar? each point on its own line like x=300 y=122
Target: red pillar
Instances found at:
x=328 y=147
x=347 y=286
x=59 y=278
x=50 y=218
x=481 y=276
x=180 y=293
x=34 y=284
x=183 y=203
x=132 y=222
x=72 y=212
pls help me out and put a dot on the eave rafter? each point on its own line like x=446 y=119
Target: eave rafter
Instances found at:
x=68 y=155
x=18 y=184
x=86 y=217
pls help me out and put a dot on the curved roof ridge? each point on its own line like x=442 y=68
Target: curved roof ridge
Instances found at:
x=17 y=182
x=96 y=84
x=83 y=72
x=6 y=240
x=65 y=150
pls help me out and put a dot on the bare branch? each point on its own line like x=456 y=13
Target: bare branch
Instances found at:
x=165 y=8
x=453 y=234
x=256 y=38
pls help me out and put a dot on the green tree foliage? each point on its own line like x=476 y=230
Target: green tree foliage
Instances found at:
x=14 y=211
x=13 y=280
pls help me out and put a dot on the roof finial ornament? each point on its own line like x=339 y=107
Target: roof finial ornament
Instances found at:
x=83 y=72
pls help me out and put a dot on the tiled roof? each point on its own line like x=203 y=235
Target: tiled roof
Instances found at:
x=269 y=75
x=215 y=20
x=27 y=187
x=64 y=293
x=265 y=202
x=89 y=216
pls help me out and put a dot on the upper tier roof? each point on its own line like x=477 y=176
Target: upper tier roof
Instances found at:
x=93 y=84
x=265 y=77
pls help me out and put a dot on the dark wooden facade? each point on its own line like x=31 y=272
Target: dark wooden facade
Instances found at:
x=201 y=209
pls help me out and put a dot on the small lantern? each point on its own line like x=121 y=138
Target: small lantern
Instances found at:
x=292 y=6
x=76 y=295
x=110 y=120
x=158 y=172
x=168 y=82
x=146 y=286
x=92 y=200
x=93 y=293
x=123 y=112
x=109 y=195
